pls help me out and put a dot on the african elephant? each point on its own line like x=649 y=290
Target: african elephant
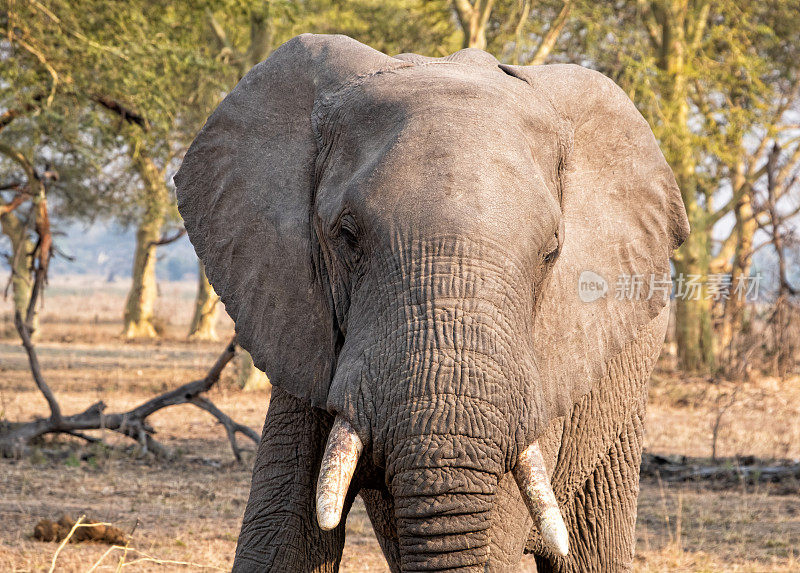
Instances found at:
x=400 y=242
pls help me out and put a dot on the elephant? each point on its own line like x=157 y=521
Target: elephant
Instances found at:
x=403 y=244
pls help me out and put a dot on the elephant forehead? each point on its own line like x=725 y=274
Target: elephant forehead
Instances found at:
x=441 y=136
x=436 y=110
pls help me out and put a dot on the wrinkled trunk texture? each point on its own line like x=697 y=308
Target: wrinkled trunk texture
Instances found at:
x=438 y=374
x=140 y=304
x=204 y=320
x=453 y=438
x=443 y=517
x=444 y=462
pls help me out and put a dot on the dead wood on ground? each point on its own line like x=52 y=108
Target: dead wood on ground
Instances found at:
x=16 y=438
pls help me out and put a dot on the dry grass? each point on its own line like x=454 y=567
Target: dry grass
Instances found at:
x=189 y=510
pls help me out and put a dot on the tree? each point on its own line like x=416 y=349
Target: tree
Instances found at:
x=140 y=303
x=474 y=17
x=751 y=186
x=31 y=113
x=699 y=72
x=17 y=228
x=40 y=155
x=390 y=26
x=206 y=306
x=510 y=29
x=142 y=71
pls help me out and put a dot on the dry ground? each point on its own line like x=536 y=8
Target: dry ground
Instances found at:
x=189 y=510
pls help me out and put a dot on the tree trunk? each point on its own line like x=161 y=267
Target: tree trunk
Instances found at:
x=473 y=19
x=22 y=249
x=693 y=325
x=744 y=229
x=140 y=305
x=204 y=321
x=261 y=36
x=251 y=379
x=693 y=333
x=20 y=263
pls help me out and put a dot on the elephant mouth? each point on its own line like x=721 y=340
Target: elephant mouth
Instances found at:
x=344 y=448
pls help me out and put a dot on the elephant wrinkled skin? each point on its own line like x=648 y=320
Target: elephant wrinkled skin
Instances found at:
x=399 y=241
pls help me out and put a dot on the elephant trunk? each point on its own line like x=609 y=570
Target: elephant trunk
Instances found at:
x=443 y=517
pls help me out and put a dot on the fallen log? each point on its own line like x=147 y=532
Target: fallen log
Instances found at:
x=15 y=438
x=133 y=423
x=748 y=469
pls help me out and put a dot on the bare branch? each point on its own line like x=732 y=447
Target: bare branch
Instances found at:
x=133 y=423
x=549 y=39
x=524 y=12
x=36 y=369
x=783 y=173
x=18 y=200
x=773 y=183
x=231 y=427
x=124 y=112
x=167 y=240
x=650 y=24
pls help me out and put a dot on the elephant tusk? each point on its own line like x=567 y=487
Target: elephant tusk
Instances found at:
x=338 y=464
x=537 y=492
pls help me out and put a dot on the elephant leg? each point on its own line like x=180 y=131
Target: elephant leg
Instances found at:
x=601 y=517
x=380 y=509
x=280 y=531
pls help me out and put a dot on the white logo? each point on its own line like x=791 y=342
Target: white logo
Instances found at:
x=591 y=286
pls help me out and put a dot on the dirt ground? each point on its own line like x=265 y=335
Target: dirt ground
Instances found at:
x=185 y=514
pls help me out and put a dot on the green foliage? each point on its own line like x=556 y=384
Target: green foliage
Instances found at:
x=93 y=80
x=390 y=26
x=166 y=65
x=734 y=70
x=144 y=55
x=97 y=81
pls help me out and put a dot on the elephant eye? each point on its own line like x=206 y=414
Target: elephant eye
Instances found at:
x=552 y=251
x=348 y=232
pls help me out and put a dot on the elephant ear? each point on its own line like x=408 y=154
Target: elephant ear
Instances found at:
x=245 y=192
x=623 y=216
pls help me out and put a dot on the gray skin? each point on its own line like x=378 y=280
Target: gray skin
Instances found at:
x=399 y=241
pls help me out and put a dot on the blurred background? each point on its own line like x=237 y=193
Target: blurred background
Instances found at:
x=99 y=101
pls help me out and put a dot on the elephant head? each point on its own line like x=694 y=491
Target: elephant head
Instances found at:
x=399 y=241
